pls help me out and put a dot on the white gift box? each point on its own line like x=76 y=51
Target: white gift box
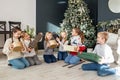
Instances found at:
x=70 y=48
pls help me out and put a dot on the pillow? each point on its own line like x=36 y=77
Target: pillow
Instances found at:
x=112 y=40
x=118 y=32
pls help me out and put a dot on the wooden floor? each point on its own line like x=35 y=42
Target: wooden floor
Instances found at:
x=53 y=71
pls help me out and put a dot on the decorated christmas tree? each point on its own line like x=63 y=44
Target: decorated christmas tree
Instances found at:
x=77 y=15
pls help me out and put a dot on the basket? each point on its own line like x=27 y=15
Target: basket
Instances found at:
x=53 y=44
x=17 y=46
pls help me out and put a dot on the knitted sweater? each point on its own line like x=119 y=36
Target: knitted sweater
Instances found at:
x=11 y=54
x=75 y=41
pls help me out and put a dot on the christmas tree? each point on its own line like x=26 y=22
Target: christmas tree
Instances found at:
x=77 y=15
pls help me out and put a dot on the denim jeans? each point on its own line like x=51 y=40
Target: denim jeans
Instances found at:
x=72 y=59
x=19 y=63
x=62 y=55
x=102 y=69
x=49 y=58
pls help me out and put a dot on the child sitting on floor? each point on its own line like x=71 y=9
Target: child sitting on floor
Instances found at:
x=62 y=54
x=48 y=51
x=104 y=51
x=30 y=53
x=15 y=57
x=76 y=40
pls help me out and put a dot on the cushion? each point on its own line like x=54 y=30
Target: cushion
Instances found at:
x=112 y=40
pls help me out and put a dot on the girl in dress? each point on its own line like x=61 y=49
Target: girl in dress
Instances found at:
x=30 y=53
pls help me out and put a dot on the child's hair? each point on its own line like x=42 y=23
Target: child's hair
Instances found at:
x=23 y=34
x=77 y=30
x=61 y=36
x=46 y=39
x=15 y=29
x=104 y=35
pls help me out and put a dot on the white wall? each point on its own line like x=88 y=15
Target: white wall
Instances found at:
x=19 y=10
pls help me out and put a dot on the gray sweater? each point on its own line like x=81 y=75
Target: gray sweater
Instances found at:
x=47 y=50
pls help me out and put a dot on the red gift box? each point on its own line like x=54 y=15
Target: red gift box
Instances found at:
x=82 y=48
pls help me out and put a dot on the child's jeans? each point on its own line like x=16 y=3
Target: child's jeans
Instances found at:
x=19 y=63
x=34 y=60
x=62 y=55
x=72 y=59
x=102 y=69
x=49 y=58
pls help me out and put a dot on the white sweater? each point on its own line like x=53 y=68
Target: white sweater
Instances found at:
x=11 y=54
x=61 y=46
x=75 y=40
x=105 y=52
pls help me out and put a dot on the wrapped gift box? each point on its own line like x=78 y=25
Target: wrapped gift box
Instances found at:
x=89 y=56
x=70 y=48
x=17 y=46
x=53 y=44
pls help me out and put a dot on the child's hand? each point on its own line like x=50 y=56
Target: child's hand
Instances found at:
x=57 y=39
x=76 y=48
x=80 y=52
x=29 y=49
x=48 y=44
x=23 y=50
x=11 y=47
x=101 y=61
x=57 y=44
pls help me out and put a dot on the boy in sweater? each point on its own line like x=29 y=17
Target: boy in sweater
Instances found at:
x=104 y=51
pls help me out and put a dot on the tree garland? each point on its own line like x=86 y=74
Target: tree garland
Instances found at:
x=110 y=26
